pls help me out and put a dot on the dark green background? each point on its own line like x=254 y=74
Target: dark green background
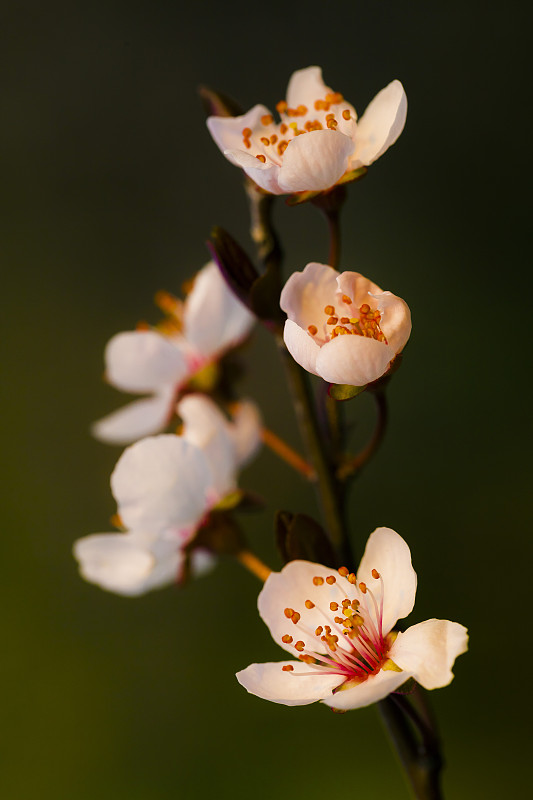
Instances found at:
x=110 y=185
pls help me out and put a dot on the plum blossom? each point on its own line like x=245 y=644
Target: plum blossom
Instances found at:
x=160 y=361
x=340 y=626
x=165 y=486
x=342 y=327
x=281 y=160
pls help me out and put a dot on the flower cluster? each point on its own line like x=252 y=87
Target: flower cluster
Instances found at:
x=172 y=489
x=165 y=486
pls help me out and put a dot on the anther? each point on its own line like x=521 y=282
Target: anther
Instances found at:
x=273 y=139
x=281 y=107
x=365 y=308
x=302 y=110
x=334 y=606
x=362 y=586
x=329 y=310
x=295 y=617
x=346 y=299
x=246 y=132
x=286 y=639
x=345 y=603
x=289 y=612
x=282 y=146
x=265 y=140
x=332 y=320
x=352 y=578
x=332 y=124
x=375 y=574
x=319 y=631
x=283 y=128
x=318 y=581
x=313 y=330
x=345 y=320
x=330 y=579
x=261 y=157
x=346 y=114
x=309 y=604
x=287 y=668
x=344 y=571
x=300 y=646
x=339 y=620
x=267 y=119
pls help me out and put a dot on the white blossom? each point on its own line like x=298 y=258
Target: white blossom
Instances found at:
x=340 y=627
x=159 y=362
x=342 y=327
x=281 y=159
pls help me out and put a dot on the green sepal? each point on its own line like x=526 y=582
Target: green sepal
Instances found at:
x=240 y=500
x=300 y=197
x=343 y=391
x=353 y=175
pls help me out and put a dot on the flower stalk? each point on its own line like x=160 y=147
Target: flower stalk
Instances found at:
x=253 y=564
x=416 y=745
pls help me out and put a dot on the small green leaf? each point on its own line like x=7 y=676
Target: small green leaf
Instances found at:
x=233 y=262
x=343 y=391
x=298 y=536
x=217 y=104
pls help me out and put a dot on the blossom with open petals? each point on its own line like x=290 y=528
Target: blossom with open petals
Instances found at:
x=342 y=327
x=281 y=160
x=159 y=362
x=165 y=486
x=340 y=627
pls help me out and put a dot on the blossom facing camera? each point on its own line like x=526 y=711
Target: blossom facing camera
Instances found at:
x=340 y=627
x=282 y=160
x=162 y=360
x=342 y=327
x=165 y=488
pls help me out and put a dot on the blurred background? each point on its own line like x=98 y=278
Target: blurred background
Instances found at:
x=110 y=185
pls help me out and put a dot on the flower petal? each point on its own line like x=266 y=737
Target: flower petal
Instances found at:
x=380 y=125
x=395 y=320
x=271 y=682
x=205 y=426
x=315 y=161
x=375 y=688
x=213 y=318
x=305 y=87
x=246 y=431
x=389 y=554
x=290 y=588
x=264 y=174
x=357 y=287
x=120 y=563
x=162 y=482
x=136 y=420
x=143 y=361
x=356 y=360
x=301 y=346
x=428 y=651
x=227 y=131
x=306 y=294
